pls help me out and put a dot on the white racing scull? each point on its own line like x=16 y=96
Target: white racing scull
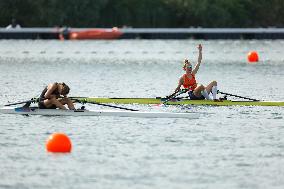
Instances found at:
x=119 y=113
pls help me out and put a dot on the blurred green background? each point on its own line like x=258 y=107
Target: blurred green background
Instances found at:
x=143 y=13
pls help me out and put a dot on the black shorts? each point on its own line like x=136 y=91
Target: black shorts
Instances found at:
x=193 y=97
x=42 y=106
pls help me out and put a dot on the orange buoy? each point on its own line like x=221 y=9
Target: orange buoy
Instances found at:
x=253 y=56
x=58 y=142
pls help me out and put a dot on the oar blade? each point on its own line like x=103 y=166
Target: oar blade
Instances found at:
x=173 y=96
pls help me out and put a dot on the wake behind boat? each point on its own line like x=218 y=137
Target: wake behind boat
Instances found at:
x=83 y=112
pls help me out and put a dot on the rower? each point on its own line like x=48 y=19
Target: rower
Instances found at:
x=55 y=96
x=188 y=81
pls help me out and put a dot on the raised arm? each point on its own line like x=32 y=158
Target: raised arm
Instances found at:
x=196 y=68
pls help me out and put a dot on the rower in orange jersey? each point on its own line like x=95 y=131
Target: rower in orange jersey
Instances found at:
x=196 y=91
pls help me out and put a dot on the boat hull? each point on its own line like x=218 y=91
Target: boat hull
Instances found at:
x=58 y=112
x=181 y=102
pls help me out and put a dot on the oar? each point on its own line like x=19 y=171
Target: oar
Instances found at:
x=101 y=104
x=23 y=102
x=237 y=96
x=175 y=95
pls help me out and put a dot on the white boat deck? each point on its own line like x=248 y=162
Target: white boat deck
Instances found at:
x=118 y=113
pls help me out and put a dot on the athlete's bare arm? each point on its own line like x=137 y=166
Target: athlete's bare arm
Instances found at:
x=196 y=68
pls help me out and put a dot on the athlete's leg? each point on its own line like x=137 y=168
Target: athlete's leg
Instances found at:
x=212 y=87
x=197 y=91
x=67 y=101
x=201 y=90
x=53 y=101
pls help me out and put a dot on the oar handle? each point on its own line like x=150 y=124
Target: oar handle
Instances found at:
x=175 y=95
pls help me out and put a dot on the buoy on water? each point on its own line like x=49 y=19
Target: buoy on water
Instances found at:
x=252 y=57
x=58 y=143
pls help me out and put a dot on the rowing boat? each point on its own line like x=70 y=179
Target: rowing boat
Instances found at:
x=95 y=33
x=180 y=101
x=59 y=112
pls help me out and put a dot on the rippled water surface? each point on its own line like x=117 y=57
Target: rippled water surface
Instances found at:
x=227 y=147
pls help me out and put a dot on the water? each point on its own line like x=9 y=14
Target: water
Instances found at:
x=227 y=147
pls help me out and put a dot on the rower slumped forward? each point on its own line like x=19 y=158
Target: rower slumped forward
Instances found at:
x=196 y=91
x=55 y=96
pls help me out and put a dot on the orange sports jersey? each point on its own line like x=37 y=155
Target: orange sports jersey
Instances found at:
x=189 y=83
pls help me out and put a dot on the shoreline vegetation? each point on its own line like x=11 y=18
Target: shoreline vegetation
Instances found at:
x=144 y=13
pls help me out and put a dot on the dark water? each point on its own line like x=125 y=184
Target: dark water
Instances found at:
x=227 y=147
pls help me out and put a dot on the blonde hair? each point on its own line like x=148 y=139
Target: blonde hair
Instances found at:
x=185 y=64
